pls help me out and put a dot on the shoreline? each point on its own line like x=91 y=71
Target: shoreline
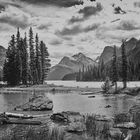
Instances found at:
x=47 y=88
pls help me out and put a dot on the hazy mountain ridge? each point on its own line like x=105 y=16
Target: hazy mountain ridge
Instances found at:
x=132 y=48
x=2 y=56
x=69 y=65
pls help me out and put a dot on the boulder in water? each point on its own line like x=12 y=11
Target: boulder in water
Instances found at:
x=67 y=116
x=38 y=103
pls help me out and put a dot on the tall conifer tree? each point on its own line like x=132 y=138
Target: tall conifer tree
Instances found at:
x=37 y=59
x=45 y=61
x=32 y=56
x=114 y=73
x=10 y=70
x=124 y=65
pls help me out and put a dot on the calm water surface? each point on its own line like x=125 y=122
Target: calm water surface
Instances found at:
x=89 y=84
x=74 y=102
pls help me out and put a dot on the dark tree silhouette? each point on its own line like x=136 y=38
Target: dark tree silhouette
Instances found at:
x=23 y=65
x=32 y=57
x=11 y=70
x=45 y=61
x=114 y=73
x=124 y=65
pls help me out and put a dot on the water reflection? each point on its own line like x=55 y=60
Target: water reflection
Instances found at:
x=73 y=102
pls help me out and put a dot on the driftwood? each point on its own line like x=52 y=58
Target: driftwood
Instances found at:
x=16 y=115
x=91 y=96
x=5 y=119
x=24 y=122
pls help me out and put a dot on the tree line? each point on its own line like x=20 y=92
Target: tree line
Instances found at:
x=119 y=69
x=27 y=60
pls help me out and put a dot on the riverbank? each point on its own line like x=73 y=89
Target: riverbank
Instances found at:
x=76 y=126
x=47 y=88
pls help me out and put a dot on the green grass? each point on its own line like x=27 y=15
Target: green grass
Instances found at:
x=95 y=130
x=54 y=134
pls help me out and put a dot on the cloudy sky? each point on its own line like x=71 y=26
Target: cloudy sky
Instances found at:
x=72 y=26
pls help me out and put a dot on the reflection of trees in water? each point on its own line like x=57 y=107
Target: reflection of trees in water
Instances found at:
x=13 y=99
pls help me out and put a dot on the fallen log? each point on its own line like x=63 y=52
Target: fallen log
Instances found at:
x=23 y=116
x=16 y=115
x=91 y=96
x=4 y=119
x=22 y=122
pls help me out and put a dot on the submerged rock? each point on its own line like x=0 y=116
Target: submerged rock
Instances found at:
x=91 y=96
x=108 y=106
x=38 y=103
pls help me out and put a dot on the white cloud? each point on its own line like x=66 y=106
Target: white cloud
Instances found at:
x=78 y=35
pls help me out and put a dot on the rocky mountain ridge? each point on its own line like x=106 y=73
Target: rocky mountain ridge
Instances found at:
x=2 y=58
x=69 y=65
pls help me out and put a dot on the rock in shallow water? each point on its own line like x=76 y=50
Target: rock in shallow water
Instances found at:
x=38 y=103
x=74 y=121
x=126 y=125
x=67 y=116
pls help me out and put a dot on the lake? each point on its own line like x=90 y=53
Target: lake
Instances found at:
x=89 y=84
x=74 y=101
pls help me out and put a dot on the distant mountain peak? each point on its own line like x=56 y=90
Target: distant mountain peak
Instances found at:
x=132 y=40
x=70 y=65
x=79 y=55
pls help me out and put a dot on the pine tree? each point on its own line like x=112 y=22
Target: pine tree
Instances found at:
x=22 y=65
x=106 y=86
x=124 y=65
x=18 y=51
x=114 y=69
x=45 y=61
x=24 y=58
x=10 y=70
x=32 y=57
x=38 y=59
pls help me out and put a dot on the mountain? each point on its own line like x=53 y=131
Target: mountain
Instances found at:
x=69 y=66
x=2 y=58
x=66 y=69
x=134 y=54
x=107 y=53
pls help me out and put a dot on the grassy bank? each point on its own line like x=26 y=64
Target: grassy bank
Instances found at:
x=95 y=130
